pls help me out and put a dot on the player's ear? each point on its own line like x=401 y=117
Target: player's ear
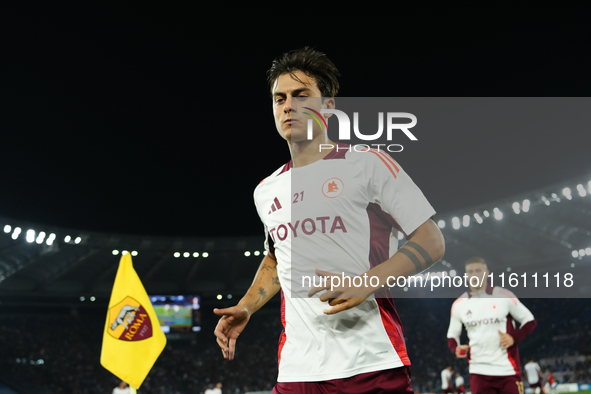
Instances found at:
x=328 y=103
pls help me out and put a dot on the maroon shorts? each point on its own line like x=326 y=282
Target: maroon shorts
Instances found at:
x=396 y=380
x=483 y=384
x=534 y=385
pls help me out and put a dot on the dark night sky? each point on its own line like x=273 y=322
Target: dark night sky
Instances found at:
x=157 y=120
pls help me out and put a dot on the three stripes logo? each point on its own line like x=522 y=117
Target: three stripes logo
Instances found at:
x=275 y=206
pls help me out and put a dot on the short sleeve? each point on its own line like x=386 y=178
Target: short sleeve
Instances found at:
x=517 y=310
x=395 y=192
x=455 y=324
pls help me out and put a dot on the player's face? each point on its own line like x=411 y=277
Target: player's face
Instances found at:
x=478 y=270
x=290 y=96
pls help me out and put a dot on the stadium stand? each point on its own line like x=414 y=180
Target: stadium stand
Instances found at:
x=54 y=297
x=60 y=352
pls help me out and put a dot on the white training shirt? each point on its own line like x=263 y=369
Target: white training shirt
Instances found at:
x=484 y=314
x=339 y=214
x=445 y=379
x=117 y=390
x=459 y=381
x=531 y=370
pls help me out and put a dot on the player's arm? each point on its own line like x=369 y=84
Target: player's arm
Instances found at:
x=264 y=286
x=233 y=320
x=453 y=336
x=523 y=316
x=425 y=246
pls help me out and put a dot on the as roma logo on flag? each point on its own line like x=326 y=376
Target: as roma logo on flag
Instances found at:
x=129 y=321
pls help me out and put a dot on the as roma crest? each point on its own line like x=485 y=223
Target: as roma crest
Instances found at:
x=129 y=321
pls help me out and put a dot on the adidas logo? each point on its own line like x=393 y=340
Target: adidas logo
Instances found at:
x=275 y=206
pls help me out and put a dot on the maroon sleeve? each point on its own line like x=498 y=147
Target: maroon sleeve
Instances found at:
x=523 y=331
x=452 y=344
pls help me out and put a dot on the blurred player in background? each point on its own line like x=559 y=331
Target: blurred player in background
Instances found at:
x=551 y=383
x=534 y=375
x=488 y=314
x=357 y=340
x=460 y=383
x=123 y=388
x=214 y=390
x=446 y=386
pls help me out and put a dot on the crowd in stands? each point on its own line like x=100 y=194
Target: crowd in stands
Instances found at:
x=61 y=352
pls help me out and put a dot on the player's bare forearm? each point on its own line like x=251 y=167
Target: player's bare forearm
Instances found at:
x=264 y=286
x=424 y=248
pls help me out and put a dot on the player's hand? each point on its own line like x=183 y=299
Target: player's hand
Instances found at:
x=506 y=340
x=340 y=298
x=231 y=324
x=465 y=349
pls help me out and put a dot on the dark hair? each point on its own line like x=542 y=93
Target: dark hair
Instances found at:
x=312 y=63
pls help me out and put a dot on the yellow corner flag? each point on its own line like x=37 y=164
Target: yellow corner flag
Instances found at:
x=133 y=339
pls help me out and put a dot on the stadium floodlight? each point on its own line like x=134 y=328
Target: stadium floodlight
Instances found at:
x=77 y=240
x=124 y=252
x=486 y=214
x=30 y=236
x=229 y=296
x=572 y=265
x=67 y=239
x=205 y=254
x=82 y=298
x=7 y=228
x=452 y=273
x=134 y=253
x=546 y=201
x=498 y=213
x=177 y=254
x=566 y=193
x=50 y=239
x=92 y=298
x=257 y=253
x=589 y=186
x=525 y=205
x=508 y=269
x=580 y=189
x=581 y=252
x=219 y=297
x=265 y=253
x=115 y=252
x=16 y=232
x=195 y=254
x=186 y=254
x=455 y=222
x=246 y=254
x=588 y=251
x=575 y=253
x=516 y=207
x=441 y=223
x=466 y=220
x=478 y=218
x=40 y=237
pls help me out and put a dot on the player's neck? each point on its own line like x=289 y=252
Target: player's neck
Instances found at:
x=478 y=290
x=307 y=152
